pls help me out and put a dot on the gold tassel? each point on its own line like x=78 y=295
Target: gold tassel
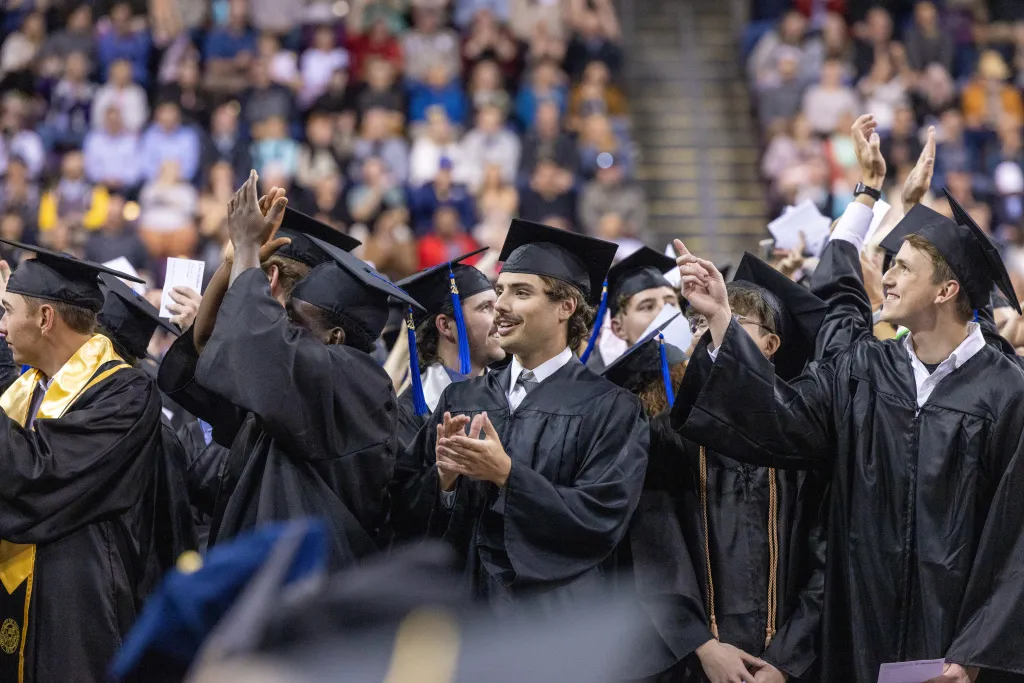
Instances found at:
x=712 y=622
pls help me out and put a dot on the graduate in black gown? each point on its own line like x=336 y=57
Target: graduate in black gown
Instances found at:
x=309 y=416
x=538 y=495
x=923 y=437
x=756 y=534
x=448 y=347
x=636 y=293
x=79 y=439
x=129 y=321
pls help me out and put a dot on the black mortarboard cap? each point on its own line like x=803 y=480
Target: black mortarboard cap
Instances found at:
x=966 y=249
x=538 y=249
x=60 y=277
x=644 y=269
x=639 y=362
x=129 y=318
x=299 y=228
x=350 y=289
x=798 y=313
x=432 y=287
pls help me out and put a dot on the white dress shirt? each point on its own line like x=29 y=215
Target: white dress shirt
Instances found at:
x=926 y=381
x=435 y=380
x=517 y=392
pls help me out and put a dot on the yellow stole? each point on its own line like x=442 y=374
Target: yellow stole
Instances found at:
x=17 y=560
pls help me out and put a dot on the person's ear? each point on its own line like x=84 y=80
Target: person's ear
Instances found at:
x=275 y=279
x=771 y=345
x=948 y=292
x=566 y=307
x=617 y=328
x=335 y=337
x=47 y=318
x=446 y=328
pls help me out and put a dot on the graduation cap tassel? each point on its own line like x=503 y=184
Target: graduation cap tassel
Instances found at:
x=598 y=323
x=419 y=403
x=666 y=374
x=465 y=367
x=975 y=315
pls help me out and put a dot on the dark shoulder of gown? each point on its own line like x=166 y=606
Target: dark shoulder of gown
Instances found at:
x=927 y=492
x=82 y=489
x=579 y=451
x=319 y=430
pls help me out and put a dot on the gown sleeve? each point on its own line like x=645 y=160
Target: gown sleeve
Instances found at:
x=177 y=379
x=777 y=424
x=839 y=281
x=990 y=634
x=584 y=522
x=796 y=645
x=667 y=583
x=319 y=402
x=203 y=477
x=93 y=462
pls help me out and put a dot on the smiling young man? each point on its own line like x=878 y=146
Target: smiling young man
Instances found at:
x=79 y=432
x=925 y=441
x=638 y=291
x=538 y=494
x=308 y=414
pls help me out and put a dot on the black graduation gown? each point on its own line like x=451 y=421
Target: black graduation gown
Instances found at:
x=579 y=448
x=925 y=515
x=81 y=488
x=738 y=503
x=311 y=427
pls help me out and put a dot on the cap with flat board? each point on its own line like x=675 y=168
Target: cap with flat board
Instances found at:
x=445 y=283
x=299 y=227
x=644 y=269
x=55 y=276
x=797 y=313
x=129 y=318
x=650 y=355
x=970 y=254
x=350 y=289
x=578 y=260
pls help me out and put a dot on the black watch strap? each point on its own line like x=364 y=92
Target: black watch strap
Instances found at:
x=869 y=191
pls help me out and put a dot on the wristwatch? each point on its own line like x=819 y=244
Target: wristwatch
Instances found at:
x=869 y=191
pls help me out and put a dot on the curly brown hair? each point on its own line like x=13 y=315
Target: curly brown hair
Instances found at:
x=578 y=328
x=652 y=395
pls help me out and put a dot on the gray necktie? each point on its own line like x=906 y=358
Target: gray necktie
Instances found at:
x=527 y=381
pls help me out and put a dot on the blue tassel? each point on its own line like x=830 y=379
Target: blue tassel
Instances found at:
x=598 y=323
x=465 y=367
x=666 y=375
x=975 y=315
x=419 y=403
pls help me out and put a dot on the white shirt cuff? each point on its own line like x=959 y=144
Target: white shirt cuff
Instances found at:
x=448 y=498
x=854 y=224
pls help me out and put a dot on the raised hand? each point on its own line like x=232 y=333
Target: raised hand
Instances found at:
x=867 y=145
x=702 y=284
x=5 y=275
x=954 y=673
x=248 y=224
x=920 y=178
x=184 y=306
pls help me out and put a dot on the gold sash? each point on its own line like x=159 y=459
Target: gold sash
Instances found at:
x=80 y=373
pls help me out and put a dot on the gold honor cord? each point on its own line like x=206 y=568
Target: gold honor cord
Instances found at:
x=426 y=648
x=78 y=375
x=773 y=550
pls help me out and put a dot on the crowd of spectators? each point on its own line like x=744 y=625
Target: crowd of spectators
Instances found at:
x=418 y=126
x=957 y=65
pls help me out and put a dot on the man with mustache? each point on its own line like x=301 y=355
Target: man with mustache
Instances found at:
x=539 y=492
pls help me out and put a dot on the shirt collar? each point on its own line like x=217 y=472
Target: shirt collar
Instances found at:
x=972 y=344
x=542 y=371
